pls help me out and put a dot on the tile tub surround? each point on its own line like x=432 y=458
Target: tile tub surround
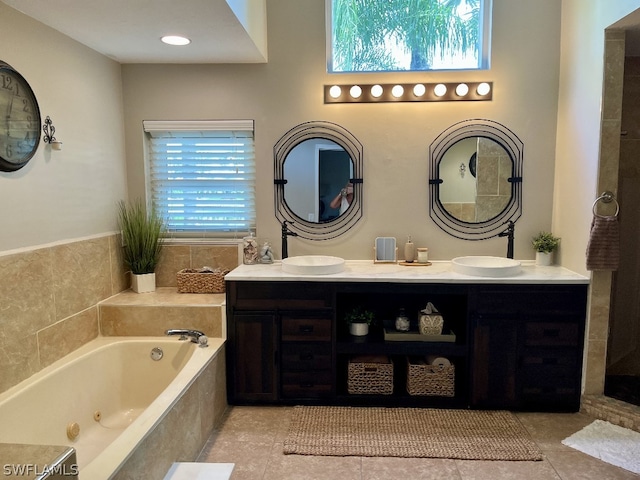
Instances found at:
x=151 y=314
x=49 y=301
x=50 y=296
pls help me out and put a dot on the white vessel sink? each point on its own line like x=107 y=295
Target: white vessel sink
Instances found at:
x=481 y=266
x=313 y=265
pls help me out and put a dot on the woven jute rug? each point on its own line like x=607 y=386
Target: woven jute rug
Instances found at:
x=409 y=432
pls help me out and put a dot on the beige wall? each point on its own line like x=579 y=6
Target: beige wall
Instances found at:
x=71 y=193
x=396 y=137
x=579 y=120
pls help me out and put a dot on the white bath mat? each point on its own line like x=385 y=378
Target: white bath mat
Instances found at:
x=610 y=443
x=199 y=471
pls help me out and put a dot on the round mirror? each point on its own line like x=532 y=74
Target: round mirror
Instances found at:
x=475 y=179
x=318 y=180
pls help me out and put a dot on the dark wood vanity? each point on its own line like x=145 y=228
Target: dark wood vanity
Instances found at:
x=518 y=346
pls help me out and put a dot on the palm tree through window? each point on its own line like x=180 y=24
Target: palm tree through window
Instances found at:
x=408 y=35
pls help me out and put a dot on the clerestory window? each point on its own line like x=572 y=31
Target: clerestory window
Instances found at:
x=407 y=35
x=201 y=176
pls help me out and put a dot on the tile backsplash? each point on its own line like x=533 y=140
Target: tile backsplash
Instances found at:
x=50 y=296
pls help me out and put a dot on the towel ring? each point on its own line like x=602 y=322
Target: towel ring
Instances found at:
x=606 y=197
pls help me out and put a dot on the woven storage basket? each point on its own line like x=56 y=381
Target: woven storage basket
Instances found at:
x=433 y=380
x=370 y=374
x=190 y=280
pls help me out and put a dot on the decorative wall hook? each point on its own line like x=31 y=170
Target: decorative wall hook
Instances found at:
x=49 y=130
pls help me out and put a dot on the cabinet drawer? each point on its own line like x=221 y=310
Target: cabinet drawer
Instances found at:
x=296 y=329
x=532 y=300
x=279 y=295
x=306 y=356
x=306 y=384
x=551 y=334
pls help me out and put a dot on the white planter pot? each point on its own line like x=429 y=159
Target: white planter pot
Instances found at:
x=544 y=259
x=143 y=283
x=358 y=329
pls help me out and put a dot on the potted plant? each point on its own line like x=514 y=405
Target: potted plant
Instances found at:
x=359 y=320
x=544 y=244
x=142 y=234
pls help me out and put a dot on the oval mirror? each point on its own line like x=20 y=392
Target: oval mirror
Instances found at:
x=318 y=180
x=475 y=179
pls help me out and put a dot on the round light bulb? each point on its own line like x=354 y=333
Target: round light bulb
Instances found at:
x=483 y=88
x=397 y=91
x=440 y=90
x=462 y=89
x=355 y=91
x=335 y=91
x=419 y=90
x=376 y=91
x=175 y=40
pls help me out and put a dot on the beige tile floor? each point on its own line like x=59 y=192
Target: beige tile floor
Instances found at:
x=252 y=438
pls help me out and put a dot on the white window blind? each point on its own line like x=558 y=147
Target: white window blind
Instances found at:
x=201 y=176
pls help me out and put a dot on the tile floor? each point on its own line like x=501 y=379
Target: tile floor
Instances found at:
x=252 y=438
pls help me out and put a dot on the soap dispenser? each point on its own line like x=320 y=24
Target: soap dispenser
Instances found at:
x=409 y=250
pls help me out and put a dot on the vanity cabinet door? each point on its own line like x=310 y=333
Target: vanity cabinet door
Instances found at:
x=495 y=362
x=253 y=355
x=527 y=346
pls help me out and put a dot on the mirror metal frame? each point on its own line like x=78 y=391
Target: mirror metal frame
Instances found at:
x=295 y=136
x=512 y=145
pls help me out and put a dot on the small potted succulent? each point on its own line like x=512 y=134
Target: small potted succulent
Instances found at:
x=359 y=320
x=544 y=244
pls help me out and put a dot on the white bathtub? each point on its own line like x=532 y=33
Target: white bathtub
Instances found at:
x=117 y=395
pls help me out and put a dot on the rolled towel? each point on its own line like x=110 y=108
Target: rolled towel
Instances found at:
x=439 y=362
x=603 y=249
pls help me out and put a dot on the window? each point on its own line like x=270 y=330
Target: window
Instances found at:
x=201 y=176
x=407 y=35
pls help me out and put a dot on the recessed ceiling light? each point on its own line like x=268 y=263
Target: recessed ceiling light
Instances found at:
x=175 y=40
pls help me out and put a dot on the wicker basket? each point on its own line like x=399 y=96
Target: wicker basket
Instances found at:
x=433 y=380
x=190 y=280
x=370 y=375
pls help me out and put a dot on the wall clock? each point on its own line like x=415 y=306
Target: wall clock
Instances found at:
x=19 y=120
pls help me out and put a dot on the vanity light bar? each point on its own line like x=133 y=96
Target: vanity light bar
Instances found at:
x=408 y=92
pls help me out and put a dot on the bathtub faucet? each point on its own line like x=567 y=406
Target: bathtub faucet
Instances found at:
x=196 y=336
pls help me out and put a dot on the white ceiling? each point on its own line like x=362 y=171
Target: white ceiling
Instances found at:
x=129 y=31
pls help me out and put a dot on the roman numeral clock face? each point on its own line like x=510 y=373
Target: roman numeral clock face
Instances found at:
x=19 y=120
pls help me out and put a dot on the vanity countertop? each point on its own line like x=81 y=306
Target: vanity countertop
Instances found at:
x=437 y=272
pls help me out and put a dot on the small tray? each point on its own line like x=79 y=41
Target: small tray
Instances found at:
x=414 y=264
x=415 y=336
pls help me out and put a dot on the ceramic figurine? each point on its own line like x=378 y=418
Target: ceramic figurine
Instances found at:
x=266 y=253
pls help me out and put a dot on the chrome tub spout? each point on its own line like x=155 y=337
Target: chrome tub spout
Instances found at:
x=196 y=336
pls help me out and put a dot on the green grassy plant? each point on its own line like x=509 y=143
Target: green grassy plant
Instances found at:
x=142 y=234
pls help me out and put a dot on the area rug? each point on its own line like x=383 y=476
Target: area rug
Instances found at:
x=409 y=432
x=610 y=443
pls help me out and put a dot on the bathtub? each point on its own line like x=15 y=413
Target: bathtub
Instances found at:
x=110 y=401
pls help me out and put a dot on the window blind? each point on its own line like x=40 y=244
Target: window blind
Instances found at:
x=201 y=176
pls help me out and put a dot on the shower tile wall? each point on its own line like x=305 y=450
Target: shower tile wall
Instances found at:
x=624 y=344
